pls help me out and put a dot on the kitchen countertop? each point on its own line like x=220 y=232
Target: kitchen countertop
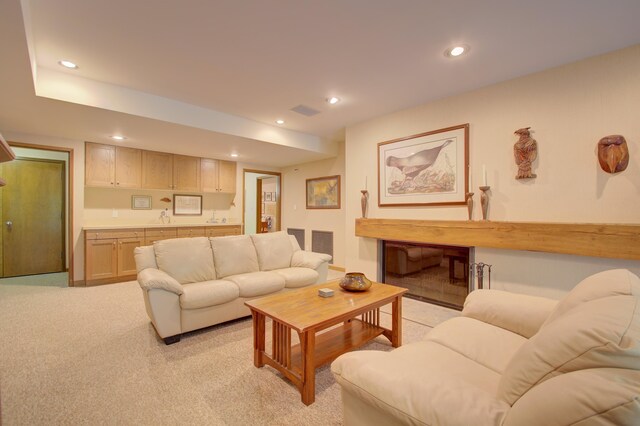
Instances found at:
x=158 y=225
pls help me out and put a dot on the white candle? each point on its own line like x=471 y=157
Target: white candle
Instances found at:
x=484 y=175
x=470 y=184
x=365 y=182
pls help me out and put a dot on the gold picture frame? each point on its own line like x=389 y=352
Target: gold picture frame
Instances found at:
x=141 y=202
x=323 y=192
x=187 y=205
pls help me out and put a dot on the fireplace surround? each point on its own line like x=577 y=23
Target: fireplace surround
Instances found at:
x=433 y=273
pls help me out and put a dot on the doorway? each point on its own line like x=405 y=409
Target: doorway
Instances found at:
x=35 y=216
x=261 y=201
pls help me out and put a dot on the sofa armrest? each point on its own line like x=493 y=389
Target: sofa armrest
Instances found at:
x=309 y=259
x=519 y=313
x=155 y=278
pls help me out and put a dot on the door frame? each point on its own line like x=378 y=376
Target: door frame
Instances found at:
x=278 y=201
x=70 y=197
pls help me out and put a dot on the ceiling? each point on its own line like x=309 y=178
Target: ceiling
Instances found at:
x=206 y=77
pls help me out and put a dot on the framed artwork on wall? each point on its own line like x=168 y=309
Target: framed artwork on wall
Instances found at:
x=141 y=202
x=187 y=205
x=429 y=168
x=323 y=192
x=267 y=196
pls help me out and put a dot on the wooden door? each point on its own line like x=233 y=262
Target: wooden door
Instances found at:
x=33 y=217
x=157 y=170
x=126 y=261
x=227 y=176
x=101 y=259
x=209 y=174
x=186 y=173
x=128 y=167
x=99 y=165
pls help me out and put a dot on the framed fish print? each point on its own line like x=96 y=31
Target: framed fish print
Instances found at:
x=429 y=168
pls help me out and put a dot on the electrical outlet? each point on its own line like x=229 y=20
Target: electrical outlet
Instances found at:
x=114 y=213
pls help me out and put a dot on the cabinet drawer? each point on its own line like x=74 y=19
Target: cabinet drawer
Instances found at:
x=160 y=233
x=102 y=234
x=195 y=231
x=221 y=231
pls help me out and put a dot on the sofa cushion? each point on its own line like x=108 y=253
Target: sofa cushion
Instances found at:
x=255 y=284
x=607 y=283
x=234 y=255
x=423 y=383
x=208 y=293
x=188 y=260
x=274 y=250
x=145 y=258
x=597 y=396
x=297 y=277
x=489 y=346
x=600 y=333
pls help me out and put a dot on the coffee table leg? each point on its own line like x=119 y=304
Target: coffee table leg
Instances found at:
x=307 y=344
x=396 y=322
x=258 y=338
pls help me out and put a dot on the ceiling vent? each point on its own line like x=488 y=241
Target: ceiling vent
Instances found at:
x=305 y=110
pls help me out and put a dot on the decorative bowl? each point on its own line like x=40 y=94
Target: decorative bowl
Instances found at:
x=355 y=281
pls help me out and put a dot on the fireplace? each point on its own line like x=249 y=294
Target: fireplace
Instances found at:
x=433 y=273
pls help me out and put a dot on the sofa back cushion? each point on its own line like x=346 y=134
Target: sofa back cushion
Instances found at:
x=606 y=283
x=188 y=260
x=274 y=250
x=234 y=255
x=145 y=257
x=600 y=333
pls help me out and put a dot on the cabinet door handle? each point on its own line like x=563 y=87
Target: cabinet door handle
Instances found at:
x=9 y=225
x=117 y=183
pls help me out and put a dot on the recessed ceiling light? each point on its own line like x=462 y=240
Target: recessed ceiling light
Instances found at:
x=279 y=121
x=456 y=51
x=68 y=64
x=333 y=100
x=118 y=137
x=234 y=155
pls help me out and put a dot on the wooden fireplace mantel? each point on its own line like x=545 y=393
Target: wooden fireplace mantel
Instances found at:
x=616 y=241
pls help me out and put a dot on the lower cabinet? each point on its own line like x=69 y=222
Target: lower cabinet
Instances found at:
x=109 y=253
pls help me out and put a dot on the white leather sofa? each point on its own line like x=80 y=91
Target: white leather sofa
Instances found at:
x=191 y=283
x=510 y=360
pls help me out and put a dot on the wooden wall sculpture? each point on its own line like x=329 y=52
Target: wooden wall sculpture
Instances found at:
x=525 y=151
x=613 y=153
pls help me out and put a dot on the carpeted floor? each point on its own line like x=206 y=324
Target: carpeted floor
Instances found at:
x=91 y=356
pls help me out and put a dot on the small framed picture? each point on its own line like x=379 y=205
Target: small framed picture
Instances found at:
x=267 y=196
x=187 y=205
x=323 y=192
x=141 y=202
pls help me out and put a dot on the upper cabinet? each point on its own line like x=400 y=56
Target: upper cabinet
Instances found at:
x=218 y=176
x=120 y=167
x=186 y=173
x=157 y=170
x=111 y=166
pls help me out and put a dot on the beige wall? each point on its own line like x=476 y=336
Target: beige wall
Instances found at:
x=295 y=214
x=569 y=109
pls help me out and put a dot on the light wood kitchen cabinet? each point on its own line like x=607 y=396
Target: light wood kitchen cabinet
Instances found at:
x=128 y=167
x=109 y=255
x=152 y=235
x=112 y=166
x=101 y=259
x=192 y=231
x=223 y=230
x=218 y=176
x=186 y=173
x=157 y=170
x=99 y=165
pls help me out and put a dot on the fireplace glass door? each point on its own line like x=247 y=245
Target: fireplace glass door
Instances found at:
x=433 y=273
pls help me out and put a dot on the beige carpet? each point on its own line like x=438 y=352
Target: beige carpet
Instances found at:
x=90 y=356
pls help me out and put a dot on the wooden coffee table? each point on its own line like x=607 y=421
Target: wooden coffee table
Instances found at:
x=307 y=313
